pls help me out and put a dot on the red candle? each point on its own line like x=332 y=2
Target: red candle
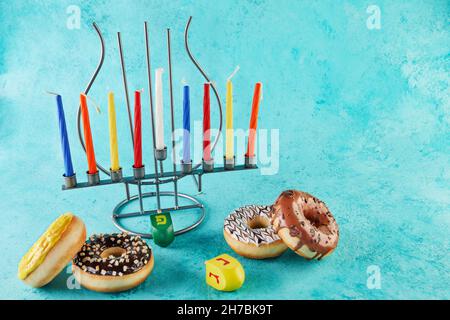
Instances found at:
x=137 y=130
x=92 y=166
x=254 y=121
x=206 y=123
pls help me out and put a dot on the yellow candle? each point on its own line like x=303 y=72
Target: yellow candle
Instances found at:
x=113 y=133
x=229 y=139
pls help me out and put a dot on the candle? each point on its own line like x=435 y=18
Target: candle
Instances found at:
x=186 y=126
x=229 y=146
x=206 y=123
x=68 y=167
x=254 y=120
x=159 y=124
x=92 y=166
x=114 y=152
x=137 y=130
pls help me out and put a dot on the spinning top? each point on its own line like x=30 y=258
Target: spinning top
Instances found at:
x=224 y=273
x=162 y=229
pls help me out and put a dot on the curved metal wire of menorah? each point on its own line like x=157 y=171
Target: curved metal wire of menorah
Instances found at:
x=159 y=177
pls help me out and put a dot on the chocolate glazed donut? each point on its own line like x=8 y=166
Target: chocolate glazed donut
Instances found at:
x=113 y=262
x=305 y=224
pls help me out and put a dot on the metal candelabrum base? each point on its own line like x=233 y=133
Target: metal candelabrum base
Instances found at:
x=119 y=215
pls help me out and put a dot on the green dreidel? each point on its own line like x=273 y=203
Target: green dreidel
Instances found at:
x=162 y=228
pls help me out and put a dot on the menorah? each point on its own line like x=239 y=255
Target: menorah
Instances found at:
x=159 y=176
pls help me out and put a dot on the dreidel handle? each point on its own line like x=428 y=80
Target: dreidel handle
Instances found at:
x=162 y=228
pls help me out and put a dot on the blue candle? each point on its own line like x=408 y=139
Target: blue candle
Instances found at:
x=186 y=126
x=68 y=168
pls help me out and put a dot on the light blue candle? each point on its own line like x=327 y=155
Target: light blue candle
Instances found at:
x=68 y=167
x=186 y=126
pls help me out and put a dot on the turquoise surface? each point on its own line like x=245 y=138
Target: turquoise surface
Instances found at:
x=363 y=117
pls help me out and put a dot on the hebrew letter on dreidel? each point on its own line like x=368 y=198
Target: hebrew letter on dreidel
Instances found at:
x=224 y=273
x=161 y=219
x=225 y=262
x=215 y=276
x=162 y=229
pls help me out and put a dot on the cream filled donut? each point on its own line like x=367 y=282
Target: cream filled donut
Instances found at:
x=248 y=232
x=51 y=253
x=305 y=224
x=113 y=262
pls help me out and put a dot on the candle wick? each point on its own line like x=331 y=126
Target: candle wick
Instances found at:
x=96 y=105
x=233 y=73
x=52 y=93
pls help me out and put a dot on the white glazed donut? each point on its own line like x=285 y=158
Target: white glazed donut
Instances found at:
x=249 y=233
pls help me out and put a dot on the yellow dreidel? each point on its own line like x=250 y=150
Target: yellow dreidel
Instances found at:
x=224 y=273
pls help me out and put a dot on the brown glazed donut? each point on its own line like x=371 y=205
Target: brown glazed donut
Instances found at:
x=305 y=224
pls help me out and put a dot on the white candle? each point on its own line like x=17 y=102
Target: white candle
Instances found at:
x=159 y=124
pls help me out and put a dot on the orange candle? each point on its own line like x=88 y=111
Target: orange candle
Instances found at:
x=92 y=166
x=254 y=120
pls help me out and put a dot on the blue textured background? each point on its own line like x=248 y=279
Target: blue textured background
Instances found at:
x=364 y=125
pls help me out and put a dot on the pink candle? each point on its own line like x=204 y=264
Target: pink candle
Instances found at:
x=137 y=130
x=206 y=123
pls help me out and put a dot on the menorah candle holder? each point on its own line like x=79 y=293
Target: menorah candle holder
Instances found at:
x=70 y=181
x=139 y=173
x=139 y=178
x=250 y=162
x=208 y=165
x=93 y=178
x=229 y=162
x=186 y=167
x=161 y=154
x=116 y=175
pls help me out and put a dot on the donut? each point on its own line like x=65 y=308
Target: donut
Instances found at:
x=113 y=262
x=305 y=224
x=248 y=232
x=52 y=251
